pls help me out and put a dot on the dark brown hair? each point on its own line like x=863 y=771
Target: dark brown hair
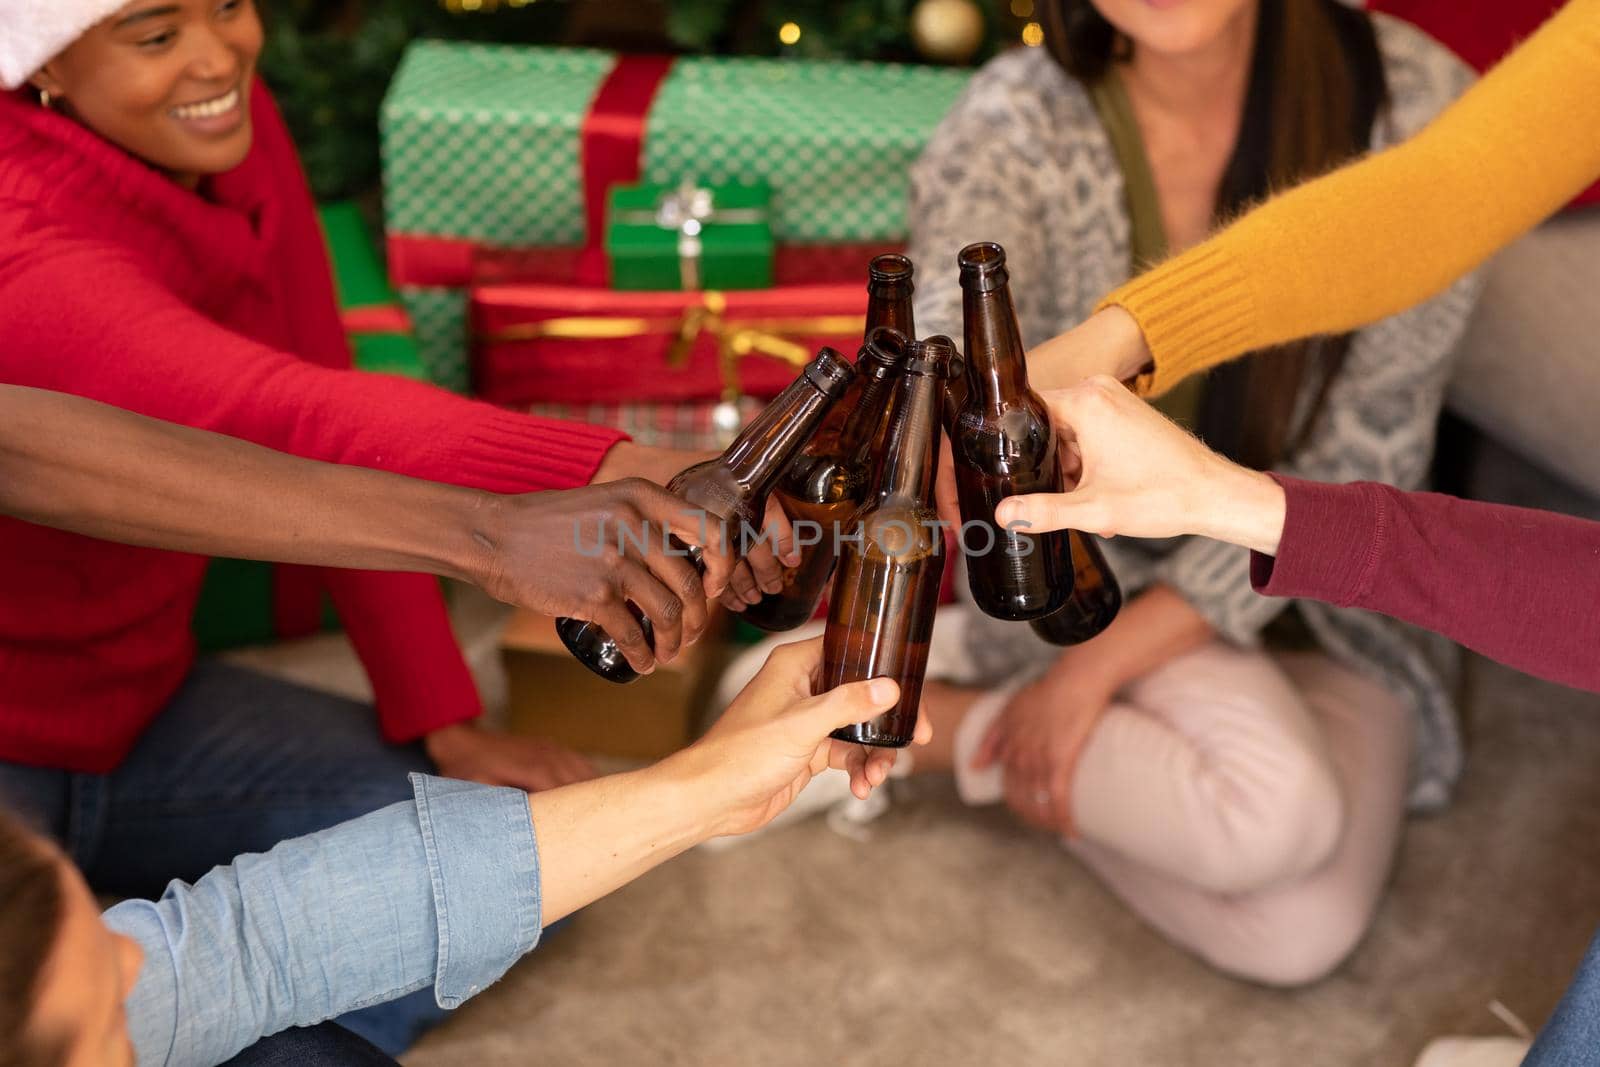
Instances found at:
x=1316 y=88
x=32 y=902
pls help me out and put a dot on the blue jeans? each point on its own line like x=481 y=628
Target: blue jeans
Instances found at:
x=315 y=1046
x=1572 y=1036
x=236 y=762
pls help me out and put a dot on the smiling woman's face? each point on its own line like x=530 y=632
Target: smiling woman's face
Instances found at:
x=165 y=80
x=1174 y=27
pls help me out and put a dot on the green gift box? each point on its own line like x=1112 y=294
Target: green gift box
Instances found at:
x=484 y=147
x=482 y=141
x=380 y=332
x=689 y=236
x=835 y=140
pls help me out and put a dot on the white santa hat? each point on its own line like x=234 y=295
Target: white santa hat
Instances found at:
x=33 y=32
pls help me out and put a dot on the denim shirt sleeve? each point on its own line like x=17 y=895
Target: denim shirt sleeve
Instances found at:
x=441 y=891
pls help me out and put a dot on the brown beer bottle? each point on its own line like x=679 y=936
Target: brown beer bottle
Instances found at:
x=887 y=586
x=955 y=396
x=889 y=291
x=889 y=288
x=731 y=489
x=822 y=490
x=1096 y=597
x=1003 y=445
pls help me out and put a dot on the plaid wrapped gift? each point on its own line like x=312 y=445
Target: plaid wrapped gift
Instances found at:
x=693 y=424
x=494 y=147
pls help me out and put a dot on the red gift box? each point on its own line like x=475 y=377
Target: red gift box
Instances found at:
x=653 y=363
x=432 y=261
x=575 y=345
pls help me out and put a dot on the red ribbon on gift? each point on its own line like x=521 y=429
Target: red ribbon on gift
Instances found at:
x=452 y=262
x=375 y=318
x=612 y=147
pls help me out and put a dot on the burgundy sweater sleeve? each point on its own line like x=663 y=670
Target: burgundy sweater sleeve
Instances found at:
x=1518 y=585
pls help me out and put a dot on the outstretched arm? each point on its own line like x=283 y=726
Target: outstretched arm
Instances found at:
x=1517 y=585
x=1370 y=239
x=97 y=470
x=453 y=888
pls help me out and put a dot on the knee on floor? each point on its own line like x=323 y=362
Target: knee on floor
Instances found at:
x=1296 y=941
x=1268 y=834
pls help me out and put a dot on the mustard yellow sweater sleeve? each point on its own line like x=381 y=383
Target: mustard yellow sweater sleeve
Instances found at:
x=1380 y=235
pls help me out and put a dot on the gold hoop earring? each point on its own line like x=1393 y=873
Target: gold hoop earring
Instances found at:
x=45 y=99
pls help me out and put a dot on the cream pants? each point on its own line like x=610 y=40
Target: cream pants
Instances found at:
x=1246 y=805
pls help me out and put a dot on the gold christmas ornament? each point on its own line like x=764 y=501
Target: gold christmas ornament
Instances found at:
x=947 y=31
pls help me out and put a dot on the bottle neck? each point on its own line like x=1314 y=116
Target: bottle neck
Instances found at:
x=764 y=448
x=889 y=304
x=871 y=405
x=996 y=369
x=912 y=455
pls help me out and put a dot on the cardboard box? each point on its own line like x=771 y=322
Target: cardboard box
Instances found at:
x=553 y=695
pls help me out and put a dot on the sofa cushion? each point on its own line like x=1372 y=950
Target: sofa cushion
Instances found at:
x=1529 y=374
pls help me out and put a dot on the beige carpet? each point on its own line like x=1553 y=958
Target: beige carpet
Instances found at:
x=954 y=937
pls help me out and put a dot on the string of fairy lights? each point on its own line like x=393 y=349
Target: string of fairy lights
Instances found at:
x=1032 y=33
x=471 y=7
x=789 y=33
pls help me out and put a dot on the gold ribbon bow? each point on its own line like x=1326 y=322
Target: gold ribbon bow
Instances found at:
x=735 y=340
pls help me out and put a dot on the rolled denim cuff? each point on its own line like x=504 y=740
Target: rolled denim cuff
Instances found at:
x=483 y=862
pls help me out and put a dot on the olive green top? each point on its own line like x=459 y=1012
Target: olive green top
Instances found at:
x=1147 y=245
x=1147 y=237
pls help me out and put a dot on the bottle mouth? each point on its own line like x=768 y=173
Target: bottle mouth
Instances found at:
x=935 y=355
x=890 y=267
x=983 y=266
x=830 y=372
x=884 y=347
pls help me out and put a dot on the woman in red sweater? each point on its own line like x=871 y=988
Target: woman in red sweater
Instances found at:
x=159 y=251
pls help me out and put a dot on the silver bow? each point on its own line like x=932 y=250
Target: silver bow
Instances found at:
x=688 y=209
